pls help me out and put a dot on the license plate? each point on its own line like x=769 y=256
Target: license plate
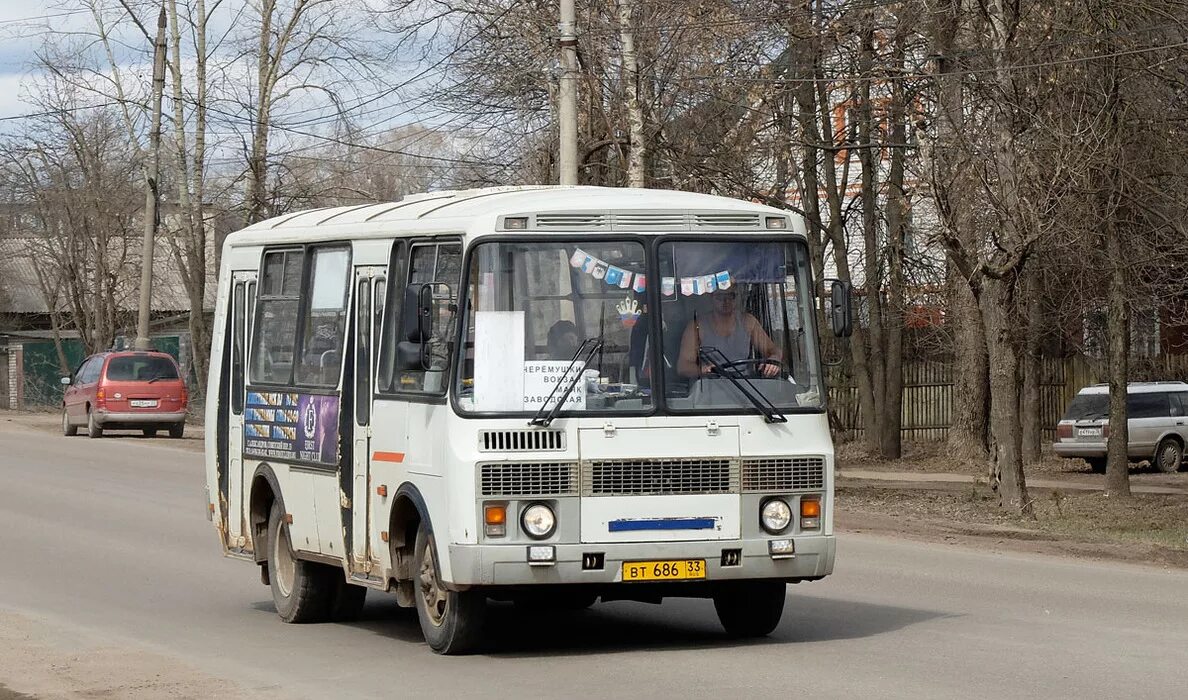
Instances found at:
x=1089 y=432
x=143 y=403
x=671 y=570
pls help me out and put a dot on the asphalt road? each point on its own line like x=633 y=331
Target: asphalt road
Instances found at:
x=105 y=542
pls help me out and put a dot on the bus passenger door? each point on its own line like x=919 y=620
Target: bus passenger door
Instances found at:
x=369 y=305
x=243 y=297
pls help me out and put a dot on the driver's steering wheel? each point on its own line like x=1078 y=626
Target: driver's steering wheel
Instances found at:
x=736 y=367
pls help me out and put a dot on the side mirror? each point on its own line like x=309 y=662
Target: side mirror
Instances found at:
x=841 y=308
x=425 y=312
x=66 y=381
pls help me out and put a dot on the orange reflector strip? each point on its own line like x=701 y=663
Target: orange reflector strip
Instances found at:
x=495 y=515
x=388 y=457
x=810 y=508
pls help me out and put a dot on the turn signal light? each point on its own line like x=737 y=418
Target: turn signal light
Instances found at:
x=495 y=520
x=810 y=513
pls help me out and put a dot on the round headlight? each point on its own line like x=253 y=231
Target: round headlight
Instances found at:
x=776 y=516
x=538 y=521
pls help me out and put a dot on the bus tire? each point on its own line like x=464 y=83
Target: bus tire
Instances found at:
x=301 y=590
x=750 y=608
x=452 y=621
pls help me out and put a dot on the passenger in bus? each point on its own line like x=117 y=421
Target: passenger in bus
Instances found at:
x=735 y=333
x=563 y=340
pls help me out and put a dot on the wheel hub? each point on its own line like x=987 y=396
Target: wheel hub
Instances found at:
x=283 y=562
x=433 y=594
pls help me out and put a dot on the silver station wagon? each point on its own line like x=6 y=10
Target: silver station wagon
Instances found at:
x=1157 y=415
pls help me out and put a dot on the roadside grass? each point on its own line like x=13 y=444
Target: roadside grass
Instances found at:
x=1159 y=521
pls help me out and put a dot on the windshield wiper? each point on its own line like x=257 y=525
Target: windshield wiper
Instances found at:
x=545 y=415
x=770 y=413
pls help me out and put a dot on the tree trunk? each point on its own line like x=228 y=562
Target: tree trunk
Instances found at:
x=635 y=120
x=1118 y=326
x=891 y=444
x=1006 y=472
x=874 y=421
x=971 y=390
x=1029 y=402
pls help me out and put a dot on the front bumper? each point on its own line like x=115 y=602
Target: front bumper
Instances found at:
x=507 y=565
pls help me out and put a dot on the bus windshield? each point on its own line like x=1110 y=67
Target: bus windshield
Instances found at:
x=544 y=316
x=738 y=326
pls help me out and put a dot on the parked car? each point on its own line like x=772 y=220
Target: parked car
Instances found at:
x=127 y=390
x=1157 y=420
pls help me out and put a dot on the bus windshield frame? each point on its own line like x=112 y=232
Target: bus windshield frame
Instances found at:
x=628 y=394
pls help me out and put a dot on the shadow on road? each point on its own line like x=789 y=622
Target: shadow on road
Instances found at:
x=620 y=626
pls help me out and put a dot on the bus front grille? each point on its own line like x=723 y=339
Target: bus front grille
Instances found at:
x=783 y=474
x=659 y=477
x=510 y=480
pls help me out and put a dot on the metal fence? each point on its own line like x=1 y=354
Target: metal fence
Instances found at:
x=928 y=391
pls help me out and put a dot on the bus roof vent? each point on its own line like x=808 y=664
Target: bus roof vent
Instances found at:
x=723 y=221
x=576 y=221
x=521 y=441
x=659 y=221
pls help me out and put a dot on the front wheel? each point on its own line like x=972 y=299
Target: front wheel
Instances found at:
x=452 y=621
x=750 y=608
x=68 y=429
x=302 y=591
x=1169 y=456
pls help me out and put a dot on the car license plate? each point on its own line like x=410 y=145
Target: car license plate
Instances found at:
x=1088 y=432
x=671 y=570
x=143 y=403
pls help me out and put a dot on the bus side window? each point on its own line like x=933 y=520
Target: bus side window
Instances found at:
x=274 y=333
x=324 y=307
x=429 y=263
x=386 y=371
x=238 y=314
x=363 y=352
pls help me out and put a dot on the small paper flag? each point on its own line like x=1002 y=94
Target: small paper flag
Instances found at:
x=599 y=270
x=668 y=286
x=626 y=281
x=710 y=283
x=687 y=286
x=614 y=276
x=641 y=283
x=579 y=257
x=723 y=280
x=588 y=263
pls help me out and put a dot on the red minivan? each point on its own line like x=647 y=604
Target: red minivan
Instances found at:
x=126 y=390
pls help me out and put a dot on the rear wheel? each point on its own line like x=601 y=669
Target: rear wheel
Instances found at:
x=177 y=430
x=93 y=428
x=68 y=428
x=302 y=591
x=1097 y=464
x=750 y=608
x=150 y=432
x=1169 y=456
x=452 y=621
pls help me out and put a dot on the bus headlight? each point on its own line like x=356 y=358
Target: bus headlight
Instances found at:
x=775 y=516
x=538 y=521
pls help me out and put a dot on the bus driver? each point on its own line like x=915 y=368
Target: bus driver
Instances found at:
x=735 y=333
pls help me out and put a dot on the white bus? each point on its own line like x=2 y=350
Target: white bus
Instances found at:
x=547 y=395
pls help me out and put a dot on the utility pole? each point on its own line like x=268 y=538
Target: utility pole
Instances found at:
x=567 y=109
x=152 y=173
